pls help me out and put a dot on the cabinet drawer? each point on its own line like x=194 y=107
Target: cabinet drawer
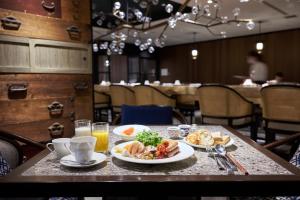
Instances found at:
x=76 y=10
x=42 y=27
x=45 y=86
x=50 y=8
x=24 y=111
x=38 y=130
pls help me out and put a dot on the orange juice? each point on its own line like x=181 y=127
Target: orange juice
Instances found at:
x=102 y=140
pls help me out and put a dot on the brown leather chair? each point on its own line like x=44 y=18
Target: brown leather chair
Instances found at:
x=121 y=95
x=147 y=95
x=281 y=110
x=101 y=103
x=222 y=105
x=294 y=152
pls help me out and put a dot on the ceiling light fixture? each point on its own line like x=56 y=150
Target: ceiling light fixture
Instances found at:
x=259 y=45
x=135 y=20
x=194 y=50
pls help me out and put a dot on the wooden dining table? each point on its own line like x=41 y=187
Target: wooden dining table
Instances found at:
x=198 y=175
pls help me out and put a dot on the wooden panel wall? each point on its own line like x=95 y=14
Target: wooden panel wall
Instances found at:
x=220 y=60
x=118 y=68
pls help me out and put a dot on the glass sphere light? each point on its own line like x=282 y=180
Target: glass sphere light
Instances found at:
x=169 y=8
x=117 y=5
x=250 y=25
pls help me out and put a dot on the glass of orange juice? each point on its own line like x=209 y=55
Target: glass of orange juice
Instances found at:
x=100 y=130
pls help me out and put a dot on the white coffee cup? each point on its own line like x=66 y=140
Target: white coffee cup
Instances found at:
x=82 y=148
x=59 y=146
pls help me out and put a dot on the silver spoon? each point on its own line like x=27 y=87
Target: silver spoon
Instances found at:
x=221 y=150
x=81 y=163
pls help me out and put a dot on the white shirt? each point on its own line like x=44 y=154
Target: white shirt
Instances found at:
x=259 y=72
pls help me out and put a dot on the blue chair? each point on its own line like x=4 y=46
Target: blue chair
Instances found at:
x=149 y=115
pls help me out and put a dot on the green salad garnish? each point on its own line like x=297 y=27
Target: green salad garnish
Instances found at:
x=149 y=138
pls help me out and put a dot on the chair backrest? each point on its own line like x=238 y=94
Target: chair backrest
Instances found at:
x=121 y=95
x=4 y=166
x=11 y=152
x=101 y=98
x=150 y=115
x=221 y=101
x=281 y=102
x=147 y=95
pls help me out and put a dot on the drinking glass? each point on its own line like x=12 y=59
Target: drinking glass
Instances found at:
x=83 y=128
x=100 y=130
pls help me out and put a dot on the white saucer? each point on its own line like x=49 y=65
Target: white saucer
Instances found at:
x=98 y=157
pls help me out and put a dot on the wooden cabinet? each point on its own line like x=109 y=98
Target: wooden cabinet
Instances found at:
x=18 y=54
x=73 y=25
x=28 y=114
x=45 y=66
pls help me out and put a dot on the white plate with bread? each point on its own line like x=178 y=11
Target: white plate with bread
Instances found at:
x=135 y=152
x=204 y=138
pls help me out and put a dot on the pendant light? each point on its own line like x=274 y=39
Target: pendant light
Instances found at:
x=259 y=44
x=194 y=50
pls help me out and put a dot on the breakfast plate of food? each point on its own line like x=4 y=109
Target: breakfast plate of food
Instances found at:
x=129 y=132
x=150 y=148
x=205 y=138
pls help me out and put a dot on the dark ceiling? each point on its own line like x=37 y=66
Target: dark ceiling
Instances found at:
x=102 y=10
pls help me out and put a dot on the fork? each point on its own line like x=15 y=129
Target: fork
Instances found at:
x=210 y=153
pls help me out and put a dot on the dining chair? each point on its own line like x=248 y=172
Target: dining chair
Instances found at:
x=101 y=103
x=187 y=105
x=222 y=105
x=11 y=149
x=149 y=115
x=148 y=95
x=281 y=110
x=294 y=154
x=121 y=95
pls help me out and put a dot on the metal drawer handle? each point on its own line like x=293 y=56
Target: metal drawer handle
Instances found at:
x=17 y=87
x=81 y=86
x=49 y=7
x=74 y=32
x=56 y=130
x=73 y=29
x=11 y=23
x=72 y=116
x=55 y=108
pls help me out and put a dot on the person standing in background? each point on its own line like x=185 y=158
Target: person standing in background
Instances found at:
x=258 y=70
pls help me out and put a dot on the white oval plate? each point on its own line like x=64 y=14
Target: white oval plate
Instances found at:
x=137 y=128
x=229 y=143
x=185 y=151
x=99 y=157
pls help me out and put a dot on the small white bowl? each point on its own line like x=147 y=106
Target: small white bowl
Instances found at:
x=174 y=132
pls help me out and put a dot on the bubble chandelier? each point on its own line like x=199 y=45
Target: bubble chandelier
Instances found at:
x=135 y=22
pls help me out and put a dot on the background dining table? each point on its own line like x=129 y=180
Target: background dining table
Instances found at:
x=197 y=175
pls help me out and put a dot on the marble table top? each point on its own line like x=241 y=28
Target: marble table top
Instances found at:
x=253 y=160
